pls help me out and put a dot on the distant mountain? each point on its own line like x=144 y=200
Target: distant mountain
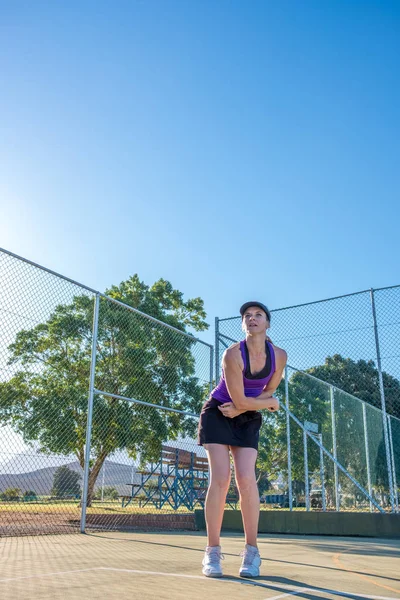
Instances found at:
x=26 y=462
x=41 y=480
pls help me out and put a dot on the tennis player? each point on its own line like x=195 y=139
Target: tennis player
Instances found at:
x=230 y=423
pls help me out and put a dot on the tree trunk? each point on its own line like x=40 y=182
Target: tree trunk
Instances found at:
x=93 y=474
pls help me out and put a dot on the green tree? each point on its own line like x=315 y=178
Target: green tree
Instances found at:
x=46 y=399
x=272 y=453
x=360 y=379
x=11 y=494
x=308 y=401
x=66 y=482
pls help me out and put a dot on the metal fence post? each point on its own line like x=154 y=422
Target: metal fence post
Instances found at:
x=366 y=443
x=396 y=493
x=383 y=403
x=306 y=482
x=322 y=473
x=289 y=455
x=335 y=468
x=216 y=349
x=103 y=480
x=211 y=368
x=90 y=413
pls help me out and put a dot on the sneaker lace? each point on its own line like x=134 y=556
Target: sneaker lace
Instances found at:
x=214 y=556
x=248 y=555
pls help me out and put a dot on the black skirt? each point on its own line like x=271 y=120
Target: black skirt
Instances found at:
x=215 y=428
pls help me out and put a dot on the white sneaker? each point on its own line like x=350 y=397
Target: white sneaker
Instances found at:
x=251 y=562
x=212 y=561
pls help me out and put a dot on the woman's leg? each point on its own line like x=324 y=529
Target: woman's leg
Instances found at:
x=245 y=461
x=220 y=476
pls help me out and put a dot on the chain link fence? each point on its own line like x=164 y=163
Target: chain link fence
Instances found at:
x=345 y=388
x=126 y=458
x=351 y=431
x=43 y=397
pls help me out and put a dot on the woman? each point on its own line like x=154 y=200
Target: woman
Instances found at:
x=230 y=423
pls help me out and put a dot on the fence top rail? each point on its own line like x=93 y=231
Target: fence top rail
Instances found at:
x=389 y=287
x=30 y=262
x=89 y=289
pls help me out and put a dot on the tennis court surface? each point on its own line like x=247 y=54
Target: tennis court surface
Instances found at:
x=144 y=566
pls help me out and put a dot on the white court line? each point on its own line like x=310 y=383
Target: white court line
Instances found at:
x=292 y=593
x=294 y=590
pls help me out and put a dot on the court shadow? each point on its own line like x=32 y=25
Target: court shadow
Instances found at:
x=297 y=563
x=291 y=587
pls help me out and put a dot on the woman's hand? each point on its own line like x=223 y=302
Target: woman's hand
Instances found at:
x=272 y=402
x=229 y=410
x=274 y=406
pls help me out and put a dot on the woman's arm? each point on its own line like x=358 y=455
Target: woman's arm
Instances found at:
x=234 y=377
x=272 y=404
x=234 y=382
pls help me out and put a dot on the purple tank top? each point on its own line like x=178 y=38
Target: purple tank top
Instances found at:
x=252 y=387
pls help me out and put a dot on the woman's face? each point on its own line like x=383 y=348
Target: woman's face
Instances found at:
x=255 y=320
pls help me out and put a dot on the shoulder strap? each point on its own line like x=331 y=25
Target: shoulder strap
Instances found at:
x=243 y=352
x=273 y=360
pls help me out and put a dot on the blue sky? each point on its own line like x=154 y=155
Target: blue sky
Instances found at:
x=239 y=149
